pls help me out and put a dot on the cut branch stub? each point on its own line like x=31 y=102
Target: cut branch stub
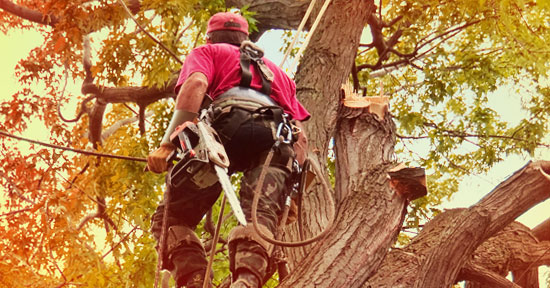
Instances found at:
x=408 y=182
x=377 y=105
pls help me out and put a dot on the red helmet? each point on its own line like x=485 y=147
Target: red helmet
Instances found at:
x=227 y=21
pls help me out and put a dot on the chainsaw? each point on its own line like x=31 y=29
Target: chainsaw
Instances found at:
x=201 y=160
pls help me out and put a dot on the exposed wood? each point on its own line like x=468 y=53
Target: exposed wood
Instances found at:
x=408 y=182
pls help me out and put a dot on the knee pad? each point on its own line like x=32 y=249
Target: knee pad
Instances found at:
x=248 y=233
x=178 y=238
x=248 y=251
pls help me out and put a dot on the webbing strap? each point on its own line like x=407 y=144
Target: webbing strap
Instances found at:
x=251 y=54
x=246 y=75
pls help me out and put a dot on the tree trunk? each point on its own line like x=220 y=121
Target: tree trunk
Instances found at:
x=370 y=214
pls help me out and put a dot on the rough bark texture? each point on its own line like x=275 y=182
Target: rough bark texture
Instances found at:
x=269 y=13
x=323 y=69
x=515 y=249
x=542 y=231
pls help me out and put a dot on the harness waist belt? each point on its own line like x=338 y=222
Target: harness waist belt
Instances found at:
x=246 y=94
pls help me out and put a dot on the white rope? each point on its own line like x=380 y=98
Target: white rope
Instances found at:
x=298 y=32
x=317 y=20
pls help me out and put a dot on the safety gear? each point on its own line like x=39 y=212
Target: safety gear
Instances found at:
x=238 y=105
x=245 y=279
x=249 y=252
x=197 y=280
x=248 y=233
x=185 y=255
x=300 y=145
x=252 y=54
x=156 y=160
x=178 y=118
x=227 y=21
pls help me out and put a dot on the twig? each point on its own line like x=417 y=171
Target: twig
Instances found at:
x=119 y=242
x=16 y=189
x=148 y=34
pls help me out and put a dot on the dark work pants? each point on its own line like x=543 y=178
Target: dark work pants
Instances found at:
x=247 y=151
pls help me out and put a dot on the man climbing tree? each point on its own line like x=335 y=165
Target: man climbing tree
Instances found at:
x=252 y=97
x=444 y=66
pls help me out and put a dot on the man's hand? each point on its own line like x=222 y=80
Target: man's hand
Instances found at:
x=156 y=161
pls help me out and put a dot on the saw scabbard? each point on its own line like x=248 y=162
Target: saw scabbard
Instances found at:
x=202 y=161
x=193 y=165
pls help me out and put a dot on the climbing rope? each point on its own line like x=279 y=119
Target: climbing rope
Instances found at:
x=256 y=199
x=309 y=35
x=80 y=151
x=298 y=32
x=215 y=239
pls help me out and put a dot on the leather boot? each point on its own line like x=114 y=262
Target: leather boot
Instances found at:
x=245 y=279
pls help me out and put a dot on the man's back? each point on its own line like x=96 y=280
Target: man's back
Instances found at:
x=220 y=63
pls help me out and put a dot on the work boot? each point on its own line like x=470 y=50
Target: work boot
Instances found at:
x=246 y=279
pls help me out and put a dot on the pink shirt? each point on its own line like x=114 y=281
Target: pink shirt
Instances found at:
x=221 y=64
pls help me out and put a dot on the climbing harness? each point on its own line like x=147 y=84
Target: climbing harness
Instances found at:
x=251 y=54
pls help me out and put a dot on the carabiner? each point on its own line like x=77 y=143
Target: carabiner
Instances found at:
x=288 y=138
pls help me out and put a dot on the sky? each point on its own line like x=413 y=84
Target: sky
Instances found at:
x=472 y=188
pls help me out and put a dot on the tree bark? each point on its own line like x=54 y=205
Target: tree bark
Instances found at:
x=363 y=148
x=323 y=68
x=542 y=231
x=268 y=13
x=512 y=249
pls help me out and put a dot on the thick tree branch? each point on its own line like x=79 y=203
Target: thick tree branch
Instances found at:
x=526 y=188
x=268 y=14
x=457 y=233
x=486 y=277
x=514 y=249
x=28 y=14
x=542 y=231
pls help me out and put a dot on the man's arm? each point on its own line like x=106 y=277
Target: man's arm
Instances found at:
x=192 y=92
x=188 y=102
